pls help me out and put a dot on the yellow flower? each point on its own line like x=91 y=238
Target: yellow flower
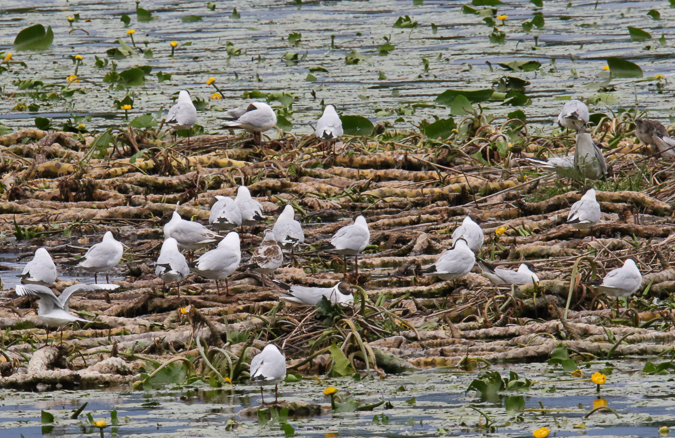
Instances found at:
x=605 y=67
x=78 y=57
x=72 y=78
x=101 y=424
x=128 y=107
x=663 y=430
x=599 y=403
x=228 y=380
x=81 y=127
x=71 y=19
x=577 y=373
x=500 y=231
x=502 y=17
x=331 y=435
x=184 y=310
x=173 y=43
x=598 y=378
x=211 y=80
x=131 y=32
x=330 y=390
x=216 y=96
x=659 y=77
x=8 y=57
x=542 y=432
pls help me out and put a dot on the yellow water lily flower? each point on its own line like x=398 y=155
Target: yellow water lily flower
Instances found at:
x=663 y=430
x=71 y=19
x=577 y=373
x=542 y=432
x=101 y=424
x=330 y=390
x=72 y=78
x=173 y=44
x=500 y=231
x=502 y=17
x=598 y=378
x=8 y=56
x=605 y=67
x=78 y=57
x=184 y=310
x=128 y=107
x=131 y=32
x=228 y=380
x=211 y=81
x=659 y=77
x=599 y=403
x=216 y=96
x=81 y=127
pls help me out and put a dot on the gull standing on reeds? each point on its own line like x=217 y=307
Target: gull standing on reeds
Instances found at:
x=251 y=210
x=471 y=232
x=268 y=257
x=351 y=240
x=653 y=133
x=171 y=264
x=225 y=214
x=40 y=270
x=256 y=118
x=584 y=213
x=269 y=368
x=53 y=310
x=287 y=231
x=588 y=158
x=102 y=257
x=329 y=126
x=622 y=282
x=453 y=263
x=339 y=294
x=504 y=276
x=574 y=115
x=189 y=235
x=221 y=262
x=183 y=115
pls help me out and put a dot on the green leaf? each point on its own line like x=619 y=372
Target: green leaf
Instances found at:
x=385 y=48
x=474 y=96
x=125 y=19
x=354 y=57
x=468 y=10
x=161 y=77
x=288 y=429
x=133 y=77
x=144 y=121
x=310 y=77
x=47 y=417
x=460 y=106
x=294 y=38
x=538 y=3
x=284 y=124
x=137 y=155
x=621 y=68
x=255 y=94
x=441 y=128
x=235 y=15
x=405 y=23
x=497 y=36
x=486 y=2
x=516 y=98
x=357 y=125
x=148 y=54
x=527 y=26
x=488 y=386
x=514 y=404
x=434 y=29
x=341 y=365
x=538 y=20
x=211 y=6
x=518 y=114
x=656 y=15
x=318 y=68
x=190 y=18
x=143 y=15
x=34 y=38
x=42 y=123
x=637 y=34
x=520 y=65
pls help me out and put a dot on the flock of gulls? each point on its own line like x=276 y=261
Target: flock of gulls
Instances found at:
x=220 y=262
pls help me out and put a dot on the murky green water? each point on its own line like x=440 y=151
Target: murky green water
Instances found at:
x=431 y=403
x=572 y=46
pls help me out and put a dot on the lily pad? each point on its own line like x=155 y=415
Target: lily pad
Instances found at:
x=143 y=15
x=190 y=18
x=460 y=106
x=357 y=125
x=637 y=34
x=473 y=96
x=34 y=38
x=520 y=65
x=441 y=128
x=622 y=68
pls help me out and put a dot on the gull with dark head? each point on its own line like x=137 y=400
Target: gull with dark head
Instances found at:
x=453 y=263
x=183 y=115
x=341 y=293
x=574 y=115
x=102 y=257
x=171 y=264
x=189 y=235
x=268 y=257
x=654 y=134
x=504 y=276
x=219 y=263
x=256 y=118
x=269 y=368
x=40 y=270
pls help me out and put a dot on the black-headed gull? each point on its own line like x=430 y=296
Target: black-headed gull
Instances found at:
x=623 y=281
x=504 y=276
x=287 y=231
x=588 y=158
x=171 y=264
x=584 y=213
x=471 y=232
x=653 y=133
x=329 y=126
x=268 y=257
x=256 y=119
x=269 y=368
x=453 y=263
x=40 y=270
x=102 y=257
x=189 y=235
x=251 y=210
x=53 y=310
x=183 y=115
x=351 y=240
x=339 y=294
x=225 y=214
x=221 y=262
x=574 y=115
